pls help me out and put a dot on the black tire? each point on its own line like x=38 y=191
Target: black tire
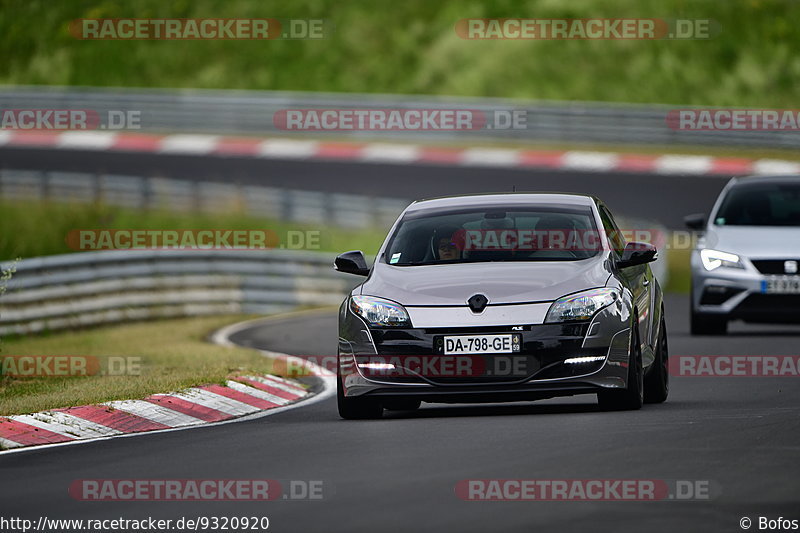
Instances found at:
x=632 y=397
x=705 y=324
x=404 y=404
x=356 y=408
x=656 y=382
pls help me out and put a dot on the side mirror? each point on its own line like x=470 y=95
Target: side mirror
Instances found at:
x=351 y=263
x=696 y=221
x=637 y=253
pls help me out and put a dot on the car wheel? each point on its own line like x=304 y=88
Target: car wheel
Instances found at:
x=656 y=383
x=704 y=324
x=402 y=405
x=356 y=408
x=632 y=397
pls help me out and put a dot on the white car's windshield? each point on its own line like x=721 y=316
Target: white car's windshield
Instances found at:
x=761 y=204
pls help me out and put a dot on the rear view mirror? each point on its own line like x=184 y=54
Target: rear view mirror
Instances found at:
x=637 y=253
x=351 y=263
x=696 y=221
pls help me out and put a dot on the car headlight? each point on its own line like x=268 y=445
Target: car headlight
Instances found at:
x=580 y=306
x=713 y=259
x=380 y=312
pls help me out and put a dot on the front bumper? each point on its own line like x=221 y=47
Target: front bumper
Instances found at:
x=552 y=360
x=739 y=293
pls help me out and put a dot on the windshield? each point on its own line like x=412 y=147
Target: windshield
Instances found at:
x=761 y=204
x=552 y=233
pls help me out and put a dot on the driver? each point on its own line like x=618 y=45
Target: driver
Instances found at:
x=443 y=244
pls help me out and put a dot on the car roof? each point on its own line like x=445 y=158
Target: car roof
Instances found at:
x=509 y=199
x=794 y=178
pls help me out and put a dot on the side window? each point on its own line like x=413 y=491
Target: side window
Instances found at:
x=615 y=236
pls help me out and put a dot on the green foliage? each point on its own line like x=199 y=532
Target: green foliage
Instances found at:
x=411 y=47
x=31 y=228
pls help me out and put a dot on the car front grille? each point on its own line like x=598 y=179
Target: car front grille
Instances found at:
x=773 y=266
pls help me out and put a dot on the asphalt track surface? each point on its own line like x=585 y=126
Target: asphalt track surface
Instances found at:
x=399 y=473
x=664 y=198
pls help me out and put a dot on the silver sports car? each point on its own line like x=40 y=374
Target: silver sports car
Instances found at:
x=502 y=297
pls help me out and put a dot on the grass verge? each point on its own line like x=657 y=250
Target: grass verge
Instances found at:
x=173 y=354
x=680 y=274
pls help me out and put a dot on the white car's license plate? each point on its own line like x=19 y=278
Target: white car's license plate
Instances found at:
x=478 y=344
x=781 y=285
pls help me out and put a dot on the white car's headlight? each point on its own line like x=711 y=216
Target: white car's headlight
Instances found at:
x=580 y=306
x=713 y=259
x=380 y=312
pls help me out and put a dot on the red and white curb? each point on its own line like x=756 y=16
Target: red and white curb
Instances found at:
x=240 y=396
x=395 y=153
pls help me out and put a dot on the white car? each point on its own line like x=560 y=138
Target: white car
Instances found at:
x=746 y=262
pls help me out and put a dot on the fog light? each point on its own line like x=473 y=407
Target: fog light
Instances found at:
x=718 y=294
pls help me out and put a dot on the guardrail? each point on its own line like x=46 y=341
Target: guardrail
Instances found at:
x=82 y=289
x=251 y=112
x=344 y=210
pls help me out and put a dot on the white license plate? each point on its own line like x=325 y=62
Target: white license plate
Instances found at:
x=478 y=344
x=787 y=285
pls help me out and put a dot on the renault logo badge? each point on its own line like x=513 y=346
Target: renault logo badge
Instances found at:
x=478 y=303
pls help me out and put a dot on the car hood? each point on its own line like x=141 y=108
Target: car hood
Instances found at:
x=754 y=241
x=454 y=284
